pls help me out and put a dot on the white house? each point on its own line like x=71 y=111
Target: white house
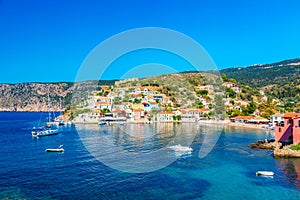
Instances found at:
x=165 y=116
x=276 y=119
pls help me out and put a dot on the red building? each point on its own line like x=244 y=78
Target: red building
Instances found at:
x=290 y=129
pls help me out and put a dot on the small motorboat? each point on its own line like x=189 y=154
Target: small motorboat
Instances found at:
x=180 y=148
x=101 y=123
x=59 y=149
x=264 y=173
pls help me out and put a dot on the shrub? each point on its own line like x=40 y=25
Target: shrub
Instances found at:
x=296 y=146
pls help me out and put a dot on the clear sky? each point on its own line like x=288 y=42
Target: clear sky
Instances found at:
x=47 y=40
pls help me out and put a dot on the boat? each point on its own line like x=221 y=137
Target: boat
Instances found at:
x=45 y=130
x=59 y=121
x=264 y=173
x=59 y=149
x=180 y=148
x=101 y=123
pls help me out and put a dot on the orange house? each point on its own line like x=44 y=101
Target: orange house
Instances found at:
x=289 y=130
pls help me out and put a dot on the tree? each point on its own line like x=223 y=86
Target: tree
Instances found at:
x=117 y=99
x=236 y=112
x=230 y=93
x=198 y=104
x=137 y=101
x=224 y=77
x=249 y=109
x=202 y=92
x=232 y=80
x=105 y=110
x=169 y=109
x=219 y=110
x=174 y=100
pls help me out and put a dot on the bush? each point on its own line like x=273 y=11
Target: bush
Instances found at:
x=296 y=146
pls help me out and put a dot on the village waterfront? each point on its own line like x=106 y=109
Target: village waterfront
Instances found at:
x=226 y=172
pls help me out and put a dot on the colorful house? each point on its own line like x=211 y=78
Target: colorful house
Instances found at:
x=231 y=85
x=119 y=113
x=148 y=106
x=165 y=116
x=192 y=114
x=105 y=87
x=103 y=105
x=289 y=130
x=138 y=114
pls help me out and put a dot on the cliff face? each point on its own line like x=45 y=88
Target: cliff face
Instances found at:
x=33 y=96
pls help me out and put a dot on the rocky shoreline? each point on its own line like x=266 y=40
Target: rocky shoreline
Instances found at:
x=279 y=150
x=266 y=144
x=286 y=152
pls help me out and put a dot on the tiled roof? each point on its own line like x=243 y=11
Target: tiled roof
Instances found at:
x=289 y=115
x=243 y=117
x=278 y=115
x=229 y=83
x=166 y=112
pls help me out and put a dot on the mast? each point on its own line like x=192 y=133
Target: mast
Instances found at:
x=60 y=105
x=49 y=115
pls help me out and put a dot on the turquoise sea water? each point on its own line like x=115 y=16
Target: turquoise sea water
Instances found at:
x=227 y=172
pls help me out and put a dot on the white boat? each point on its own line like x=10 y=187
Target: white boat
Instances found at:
x=58 y=121
x=59 y=149
x=180 y=148
x=264 y=173
x=45 y=130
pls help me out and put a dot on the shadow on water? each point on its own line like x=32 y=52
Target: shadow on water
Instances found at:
x=289 y=170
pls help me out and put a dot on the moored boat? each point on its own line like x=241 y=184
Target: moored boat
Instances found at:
x=180 y=148
x=59 y=149
x=265 y=173
x=44 y=131
x=101 y=123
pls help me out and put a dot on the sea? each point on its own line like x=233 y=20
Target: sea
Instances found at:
x=139 y=161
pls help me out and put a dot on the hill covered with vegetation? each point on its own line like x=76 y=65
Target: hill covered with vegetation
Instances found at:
x=264 y=89
x=261 y=75
x=279 y=82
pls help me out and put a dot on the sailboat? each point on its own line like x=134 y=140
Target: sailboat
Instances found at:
x=45 y=130
x=59 y=121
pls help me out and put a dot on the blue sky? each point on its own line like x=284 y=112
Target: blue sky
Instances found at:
x=48 y=40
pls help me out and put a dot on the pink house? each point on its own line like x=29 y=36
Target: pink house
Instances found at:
x=290 y=129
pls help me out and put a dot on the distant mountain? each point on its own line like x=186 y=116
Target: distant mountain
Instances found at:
x=266 y=74
x=33 y=96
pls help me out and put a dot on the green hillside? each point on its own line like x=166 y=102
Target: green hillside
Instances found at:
x=258 y=76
